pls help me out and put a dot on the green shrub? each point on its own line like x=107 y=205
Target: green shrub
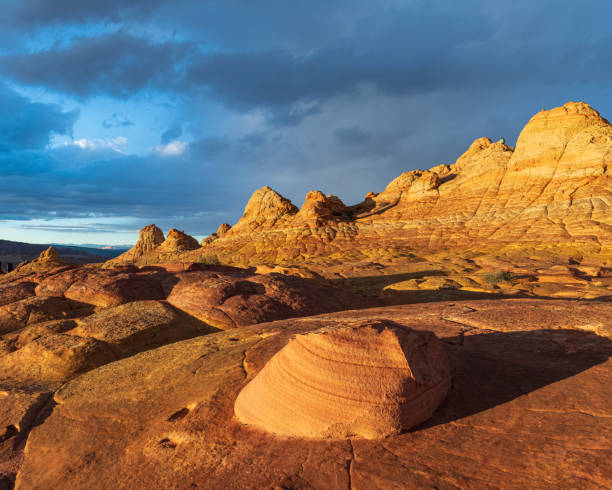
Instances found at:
x=210 y=259
x=500 y=276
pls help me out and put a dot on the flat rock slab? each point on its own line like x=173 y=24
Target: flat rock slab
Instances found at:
x=140 y=325
x=529 y=408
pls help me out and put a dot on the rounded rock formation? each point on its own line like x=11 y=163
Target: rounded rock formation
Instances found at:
x=178 y=241
x=371 y=379
x=49 y=255
x=223 y=229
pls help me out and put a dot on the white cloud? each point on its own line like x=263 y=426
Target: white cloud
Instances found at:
x=117 y=144
x=173 y=148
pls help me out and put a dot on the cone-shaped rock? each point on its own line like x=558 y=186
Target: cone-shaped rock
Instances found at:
x=371 y=380
x=223 y=229
x=178 y=241
x=48 y=259
x=149 y=238
x=49 y=255
x=265 y=208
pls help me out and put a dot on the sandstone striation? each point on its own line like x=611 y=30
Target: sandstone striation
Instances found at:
x=264 y=210
x=370 y=380
x=178 y=241
x=529 y=408
x=153 y=248
x=52 y=323
x=551 y=192
x=223 y=229
x=149 y=238
x=239 y=298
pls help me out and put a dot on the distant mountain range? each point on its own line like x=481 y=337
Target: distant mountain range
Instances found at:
x=16 y=252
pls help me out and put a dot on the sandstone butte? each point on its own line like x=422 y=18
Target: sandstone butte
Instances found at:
x=483 y=287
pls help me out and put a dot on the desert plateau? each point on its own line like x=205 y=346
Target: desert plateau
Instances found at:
x=305 y=245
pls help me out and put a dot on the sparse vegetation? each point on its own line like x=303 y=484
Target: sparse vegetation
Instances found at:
x=500 y=276
x=210 y=259
x=348 y=215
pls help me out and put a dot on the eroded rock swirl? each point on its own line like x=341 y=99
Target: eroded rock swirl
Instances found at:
x=371 y=379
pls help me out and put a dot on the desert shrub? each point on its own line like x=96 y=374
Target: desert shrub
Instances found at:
x=210 y=259
x=499 y=276
x=348 y=215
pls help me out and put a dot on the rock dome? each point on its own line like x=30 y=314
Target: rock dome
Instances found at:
x=371 y=379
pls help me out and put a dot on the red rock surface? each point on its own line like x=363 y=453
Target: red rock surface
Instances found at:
x=52 y=335
x=242 y=298
x=114 y=287
x=529 y=408
x=370 y=379
x=139 y=325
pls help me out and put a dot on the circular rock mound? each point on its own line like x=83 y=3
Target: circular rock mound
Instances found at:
x=371 y=380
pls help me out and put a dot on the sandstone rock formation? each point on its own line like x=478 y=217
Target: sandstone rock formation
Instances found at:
x=138 y=326
x=178 y=241
x=223 y=229
x=370 y=380
x=49 y=255
x=53 y=323
x=264 y=210
x=149 y=238
x=153 y=248
x=529 y=408
x=237 y=299
x=551 y=193
x=48 y=259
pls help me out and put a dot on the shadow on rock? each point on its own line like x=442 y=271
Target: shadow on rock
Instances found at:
x=490 y=369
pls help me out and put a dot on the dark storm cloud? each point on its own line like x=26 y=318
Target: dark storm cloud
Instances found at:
x=111 y=184
x=314 y=91
x=402 y=49
x=46 y=12
x=117 y=64
x=27 y=125
x=351 y=136
x=86 y=228
x=171 y=133
x=116 y=121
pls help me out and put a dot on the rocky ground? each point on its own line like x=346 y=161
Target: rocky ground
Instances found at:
x=529 y=407
x=126 y=377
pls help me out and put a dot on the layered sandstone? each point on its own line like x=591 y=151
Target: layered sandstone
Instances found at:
x=178 y=241
x=48 y=259
x=59 y=322
x=550 y=192
x=149 y=238
x=151 y=247
x=222 y=230
x=529 y=408
x=370 y=380
x=264 y=210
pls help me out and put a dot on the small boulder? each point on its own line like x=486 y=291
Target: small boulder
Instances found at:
x=373 y=379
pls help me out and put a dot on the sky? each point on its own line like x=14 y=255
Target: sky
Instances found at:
x=117 y=114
